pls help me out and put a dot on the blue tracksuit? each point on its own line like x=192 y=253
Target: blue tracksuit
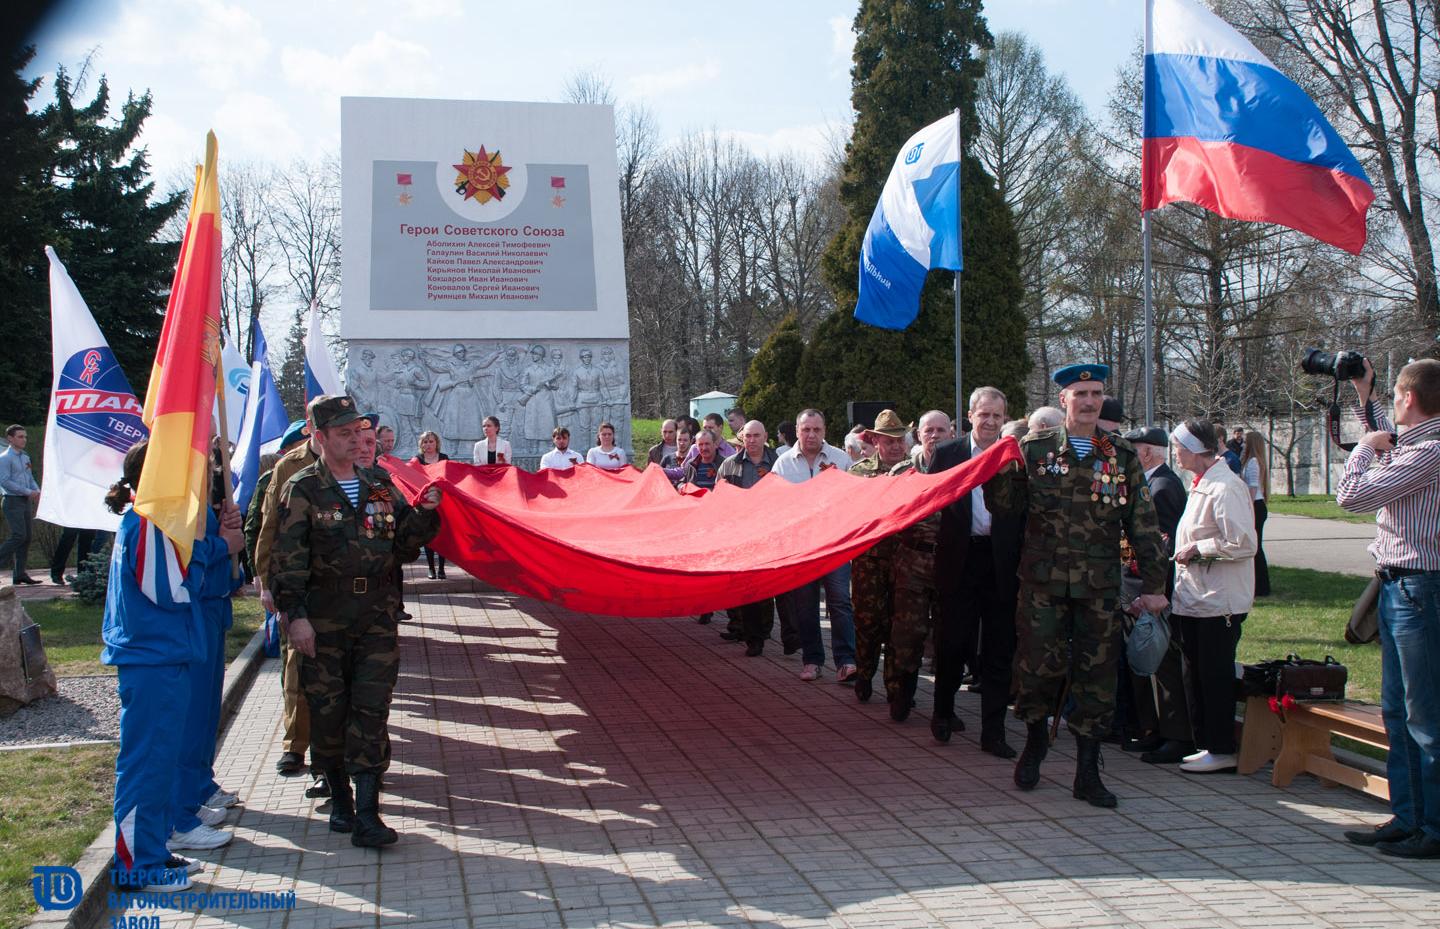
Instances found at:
x=195 y=780
x=154 y=630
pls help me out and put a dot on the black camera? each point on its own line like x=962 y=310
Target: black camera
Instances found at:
x=1343 y=366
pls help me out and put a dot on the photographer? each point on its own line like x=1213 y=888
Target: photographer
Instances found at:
x=1404 y=487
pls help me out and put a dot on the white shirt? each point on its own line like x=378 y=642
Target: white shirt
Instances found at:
x=781 y=449
x=794 y=468
x=560 y=461
x=979 y=515
x=613 y=460
x=1219 y=520
x=1251 y=474
x=502 y=448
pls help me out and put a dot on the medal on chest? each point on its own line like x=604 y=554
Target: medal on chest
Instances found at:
x=1053 y=465
x=1108 y=482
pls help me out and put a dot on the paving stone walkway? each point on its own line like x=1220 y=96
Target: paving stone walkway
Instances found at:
x=560 y=770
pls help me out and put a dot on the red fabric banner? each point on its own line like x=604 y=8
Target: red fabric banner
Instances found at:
x=626 y=544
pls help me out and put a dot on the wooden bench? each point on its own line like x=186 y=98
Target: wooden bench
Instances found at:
x=1300 y=742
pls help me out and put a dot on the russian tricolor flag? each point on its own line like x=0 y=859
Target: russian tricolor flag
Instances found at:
x=1226 y=130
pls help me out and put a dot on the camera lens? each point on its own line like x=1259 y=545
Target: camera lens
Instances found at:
x=1317 y=362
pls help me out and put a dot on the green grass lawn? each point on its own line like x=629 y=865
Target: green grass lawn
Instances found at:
x=55 y=802
x=71 y=632
x=1319 y=506
x=643 y=434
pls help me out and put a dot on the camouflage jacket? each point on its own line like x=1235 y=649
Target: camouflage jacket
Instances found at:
x=331 y=559
x=925 y=534
x=1075 y=510
x=254 y=513
x=284 y=469
x=883 y=550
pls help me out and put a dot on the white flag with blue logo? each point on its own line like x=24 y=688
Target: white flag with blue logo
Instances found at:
x=265 y=423
x=94 y=417
x=915 y=227
x=237 y=384
x=321 y=375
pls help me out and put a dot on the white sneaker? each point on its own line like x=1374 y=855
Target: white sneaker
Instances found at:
x=1196 y=756
x=210 y=816
x=223 y=799
x=191 y=866
x=1209 y=764
x=202 y=837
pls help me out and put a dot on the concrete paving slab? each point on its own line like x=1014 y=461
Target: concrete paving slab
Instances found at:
x=561 y=770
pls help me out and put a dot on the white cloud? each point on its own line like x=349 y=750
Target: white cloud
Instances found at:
x=381 y=64
x=655 y=83
x=225 y=45
x=842 y=38
x=251 y=125
x=808 y=143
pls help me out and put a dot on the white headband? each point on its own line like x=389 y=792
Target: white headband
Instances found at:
x=1185 y=437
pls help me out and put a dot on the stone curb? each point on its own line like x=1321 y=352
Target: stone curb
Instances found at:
x=94 y=863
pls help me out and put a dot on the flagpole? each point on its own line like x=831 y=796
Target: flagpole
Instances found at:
x=959 y=390
x=1149 y=354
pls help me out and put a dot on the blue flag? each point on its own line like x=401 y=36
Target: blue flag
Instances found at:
x=915 y=227
x=263 y=425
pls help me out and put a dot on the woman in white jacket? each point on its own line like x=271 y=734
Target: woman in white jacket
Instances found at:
x=1214 y=589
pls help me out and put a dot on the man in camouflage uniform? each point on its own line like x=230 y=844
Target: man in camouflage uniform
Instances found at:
x=342 y=529
x=916 y=595
x=872 y=582
x=296 y=715
x=1078 y=487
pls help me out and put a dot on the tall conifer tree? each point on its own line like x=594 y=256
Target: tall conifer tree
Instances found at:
x=915 y=62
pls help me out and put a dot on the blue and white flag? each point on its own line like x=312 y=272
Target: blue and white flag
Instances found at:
x=94 y=417
x=915 y=227
x=237 y=384
x=321 y=375
x=265 y=423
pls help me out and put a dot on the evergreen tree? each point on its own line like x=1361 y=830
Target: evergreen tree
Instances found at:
x=769 y=393
x=290 y=379
x=914 y=62
x=108 y=221
x=25 y=227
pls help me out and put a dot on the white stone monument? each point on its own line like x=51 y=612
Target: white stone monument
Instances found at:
x=483 y=271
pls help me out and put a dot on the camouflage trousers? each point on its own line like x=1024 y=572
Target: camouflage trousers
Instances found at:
x=872 y=594
x=1060 y=636
x=916 y=604
x=348 y=685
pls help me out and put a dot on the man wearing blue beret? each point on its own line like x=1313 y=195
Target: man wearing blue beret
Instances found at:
x=1078 y=488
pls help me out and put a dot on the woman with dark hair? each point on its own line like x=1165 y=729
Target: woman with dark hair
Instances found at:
x=1214 y=589
x=492 y=449
x=430 y=453
x=154 y=631
x=1257 y=476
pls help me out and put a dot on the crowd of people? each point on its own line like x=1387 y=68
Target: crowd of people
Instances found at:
x=1025 y=587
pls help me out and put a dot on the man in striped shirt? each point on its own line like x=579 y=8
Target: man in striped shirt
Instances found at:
x=1405 y=490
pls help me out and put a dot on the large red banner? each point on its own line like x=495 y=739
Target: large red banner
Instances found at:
x=626 y=544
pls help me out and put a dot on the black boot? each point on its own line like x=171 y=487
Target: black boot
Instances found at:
x=370 y=832
x=1037 y=746
x=904 y=700
x=1088 y=786
x=342 y=802
x=863 y=689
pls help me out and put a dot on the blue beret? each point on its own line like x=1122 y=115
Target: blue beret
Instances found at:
x=374 y=420
x=1071 y=373
x=297 y=433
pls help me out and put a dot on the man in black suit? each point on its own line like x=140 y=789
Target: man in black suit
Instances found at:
x=1171 y=736
x=977 y=562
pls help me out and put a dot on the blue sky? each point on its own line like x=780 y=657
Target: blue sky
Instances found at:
x=267 y=75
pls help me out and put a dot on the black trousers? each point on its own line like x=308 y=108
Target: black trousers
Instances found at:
x=1172 y=721
x=82 y=540
x=1210 y=648
x=973 y=609
x=756 y=621
x=1262 y=567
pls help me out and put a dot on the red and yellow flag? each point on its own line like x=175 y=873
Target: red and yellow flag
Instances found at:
x=174 y=486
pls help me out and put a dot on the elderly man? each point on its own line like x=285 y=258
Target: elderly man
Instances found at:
x=385 y=436
x=1046 y=417
x=977 y=559
x=1077 y=488
x=811 y=455
x=873 y=581
x=666 y=445
x=745 y=469
x=1161 y=711
x=916 y=599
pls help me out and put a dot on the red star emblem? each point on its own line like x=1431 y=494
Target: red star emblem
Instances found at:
x=481 y=176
